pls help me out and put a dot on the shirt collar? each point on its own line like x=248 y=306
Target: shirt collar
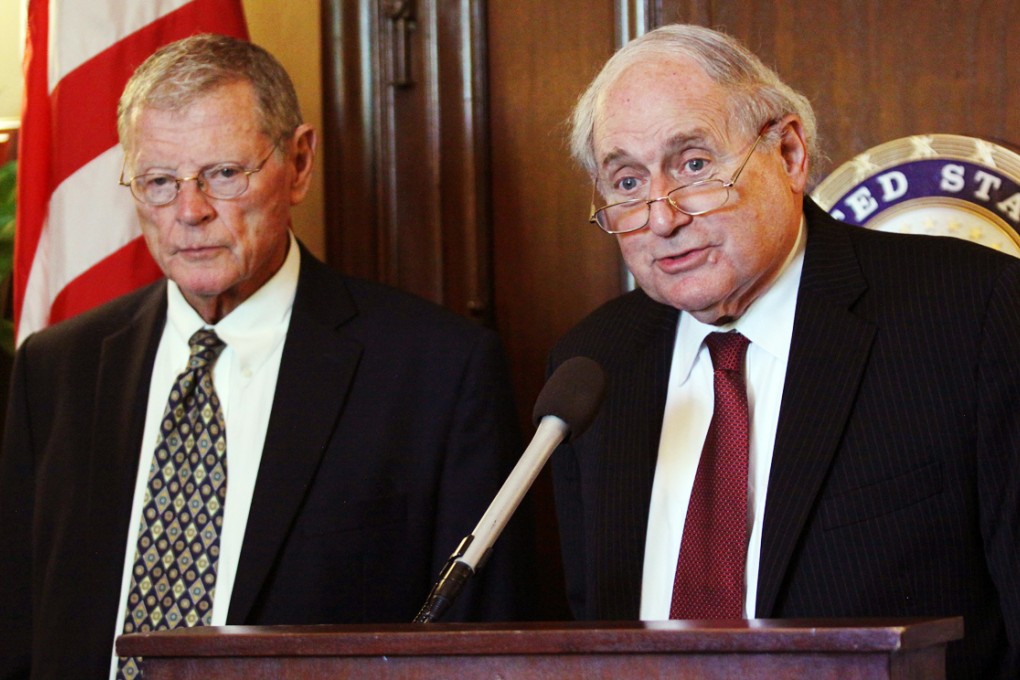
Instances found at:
x=257 y=325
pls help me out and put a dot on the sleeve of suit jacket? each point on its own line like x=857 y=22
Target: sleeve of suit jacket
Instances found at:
x=16 y=504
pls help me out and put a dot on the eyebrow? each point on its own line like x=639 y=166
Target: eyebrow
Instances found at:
x=680 y=142
x=673 y=145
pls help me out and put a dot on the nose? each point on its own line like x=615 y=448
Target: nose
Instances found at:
x=663 y=219
x=193 y=206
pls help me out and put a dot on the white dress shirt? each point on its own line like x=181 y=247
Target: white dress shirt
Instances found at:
x=244 y=377
x=768 y=324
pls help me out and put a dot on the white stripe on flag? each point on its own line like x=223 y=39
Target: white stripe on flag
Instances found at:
x=81 y=29
x=90 y=217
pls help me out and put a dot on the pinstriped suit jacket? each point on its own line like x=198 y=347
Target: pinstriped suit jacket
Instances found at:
x=895 y=481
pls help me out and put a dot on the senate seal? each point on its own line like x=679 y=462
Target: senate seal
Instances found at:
x=946 y=185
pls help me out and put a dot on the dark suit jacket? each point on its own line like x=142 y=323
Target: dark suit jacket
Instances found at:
x=895 y=479
x=392 y=428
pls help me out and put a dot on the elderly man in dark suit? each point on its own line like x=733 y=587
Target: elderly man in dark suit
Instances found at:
x=804 y=419
x=320 y=467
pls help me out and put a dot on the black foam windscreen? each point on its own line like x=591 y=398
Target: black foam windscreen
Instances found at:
x=573 y=394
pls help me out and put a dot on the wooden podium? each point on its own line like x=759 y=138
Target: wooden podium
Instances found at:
x=816 y=649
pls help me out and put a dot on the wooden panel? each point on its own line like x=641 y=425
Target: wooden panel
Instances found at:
x=406 y=147
x=551 y=266
x=348 y=140
x=877 y=70
x=765 y=650
x=464 y=159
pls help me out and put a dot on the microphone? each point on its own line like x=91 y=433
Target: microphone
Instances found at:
x=566 y=406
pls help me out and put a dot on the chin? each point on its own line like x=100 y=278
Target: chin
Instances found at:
x=200 y=286
x=679 y=297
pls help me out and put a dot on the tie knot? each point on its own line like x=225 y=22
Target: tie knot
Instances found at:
x=205 y=347
x=728 y=351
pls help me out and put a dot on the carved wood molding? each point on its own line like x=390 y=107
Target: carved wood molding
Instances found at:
x=406 y=147
x=633 y=18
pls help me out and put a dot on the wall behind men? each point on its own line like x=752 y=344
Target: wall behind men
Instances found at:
x=290 y=30
x=10 y=59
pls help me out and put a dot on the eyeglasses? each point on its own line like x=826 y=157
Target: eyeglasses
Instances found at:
x=223 y=180
x=693 y=199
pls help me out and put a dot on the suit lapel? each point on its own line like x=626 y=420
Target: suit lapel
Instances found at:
x=316 y=361
x=632 y=429
x=828 y=355
x=122 y=390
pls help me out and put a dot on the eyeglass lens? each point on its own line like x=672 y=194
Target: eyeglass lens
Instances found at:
x=220 y=181
x=694 y=199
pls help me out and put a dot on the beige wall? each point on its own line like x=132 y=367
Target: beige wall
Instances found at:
x=10 y=59
x=290 y=30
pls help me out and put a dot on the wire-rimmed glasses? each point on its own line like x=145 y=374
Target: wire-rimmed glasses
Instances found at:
x=693 y=199
x=223 y=181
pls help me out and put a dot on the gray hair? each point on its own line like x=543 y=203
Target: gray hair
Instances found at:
x=178 y=74
x=757 y=94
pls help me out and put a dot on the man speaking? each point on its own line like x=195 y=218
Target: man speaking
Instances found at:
x=803 y=418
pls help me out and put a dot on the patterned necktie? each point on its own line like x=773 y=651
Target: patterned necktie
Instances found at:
x=173 y=579
x=709 y=581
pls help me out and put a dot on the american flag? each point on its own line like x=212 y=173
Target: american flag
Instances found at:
x=77 y=241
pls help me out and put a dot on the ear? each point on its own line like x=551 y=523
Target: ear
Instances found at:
x=302 y=154
x=793 y=149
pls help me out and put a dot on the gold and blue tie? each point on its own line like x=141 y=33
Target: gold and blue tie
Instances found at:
x=173 y=579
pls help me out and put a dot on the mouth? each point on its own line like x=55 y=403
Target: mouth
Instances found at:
x=682 y=261
x=198 y=252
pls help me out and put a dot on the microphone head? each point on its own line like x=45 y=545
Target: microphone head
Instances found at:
x=573 y=394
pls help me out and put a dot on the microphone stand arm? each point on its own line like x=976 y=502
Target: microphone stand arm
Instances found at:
x=475 y=548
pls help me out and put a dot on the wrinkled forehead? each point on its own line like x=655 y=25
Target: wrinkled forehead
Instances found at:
x=235 y=100
x=660 y=106
x=208 y=132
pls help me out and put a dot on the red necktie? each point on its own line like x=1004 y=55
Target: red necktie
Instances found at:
x=709 y=581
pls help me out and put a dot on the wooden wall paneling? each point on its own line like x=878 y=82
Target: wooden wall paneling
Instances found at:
x=465 y=161
x=550 y=266
x=348 y=138
x=633 y=17
x=406 y=162
x=878 y=70
x=409 y=158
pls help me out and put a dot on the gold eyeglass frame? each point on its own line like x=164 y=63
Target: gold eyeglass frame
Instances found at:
x=178 y=181
x=649 y=201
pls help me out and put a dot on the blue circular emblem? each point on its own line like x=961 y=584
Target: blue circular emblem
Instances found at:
x=947 y=185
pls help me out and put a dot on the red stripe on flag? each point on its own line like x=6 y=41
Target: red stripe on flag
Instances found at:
x=33 y=149
x=106 y=280
x=62 y=133
x=85 y=100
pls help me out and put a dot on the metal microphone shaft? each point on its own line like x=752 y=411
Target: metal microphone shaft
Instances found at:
x=566 y=406
x=474 y=549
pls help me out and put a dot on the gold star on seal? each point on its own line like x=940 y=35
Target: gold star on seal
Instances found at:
x=922 y=147
x=983 y=153
x=863 y=167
